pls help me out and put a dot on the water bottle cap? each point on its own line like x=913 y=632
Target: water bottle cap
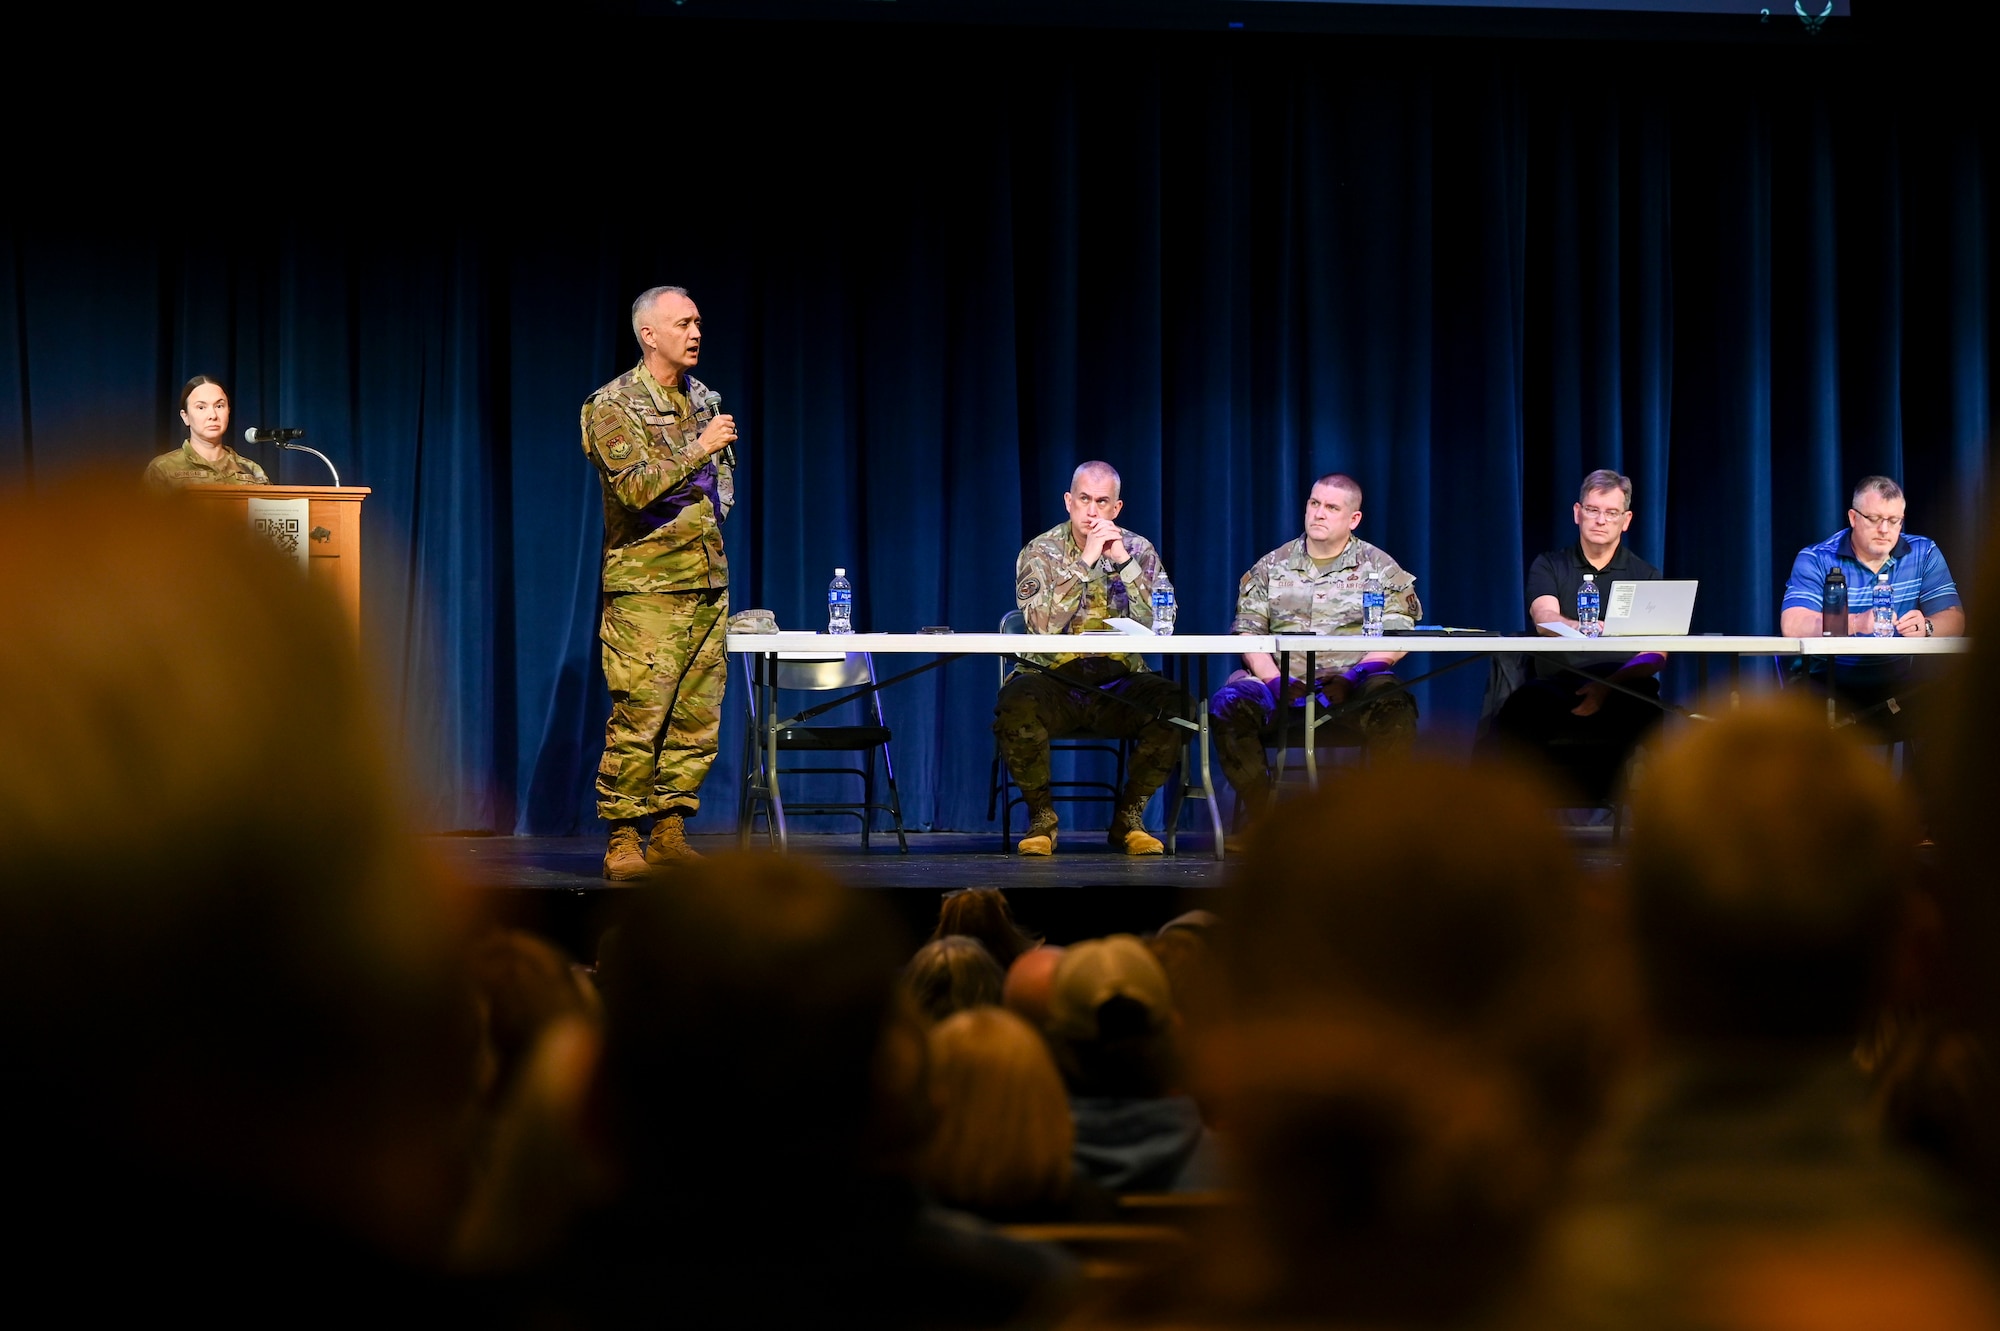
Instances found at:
x=1590 y=577
x=840 y=573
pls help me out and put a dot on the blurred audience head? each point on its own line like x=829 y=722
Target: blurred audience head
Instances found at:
x=1771 y=858
x=983 y=913
x=1416 y=1039
x=195 y=797
x=745 y=1008
x=1187 y=954
x=1004 y=1134
x=1111 y=1020
x=951 y=975
x=523 y=984
x=1029 y=981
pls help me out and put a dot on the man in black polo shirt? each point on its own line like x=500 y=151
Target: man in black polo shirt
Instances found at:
x=1564 y=703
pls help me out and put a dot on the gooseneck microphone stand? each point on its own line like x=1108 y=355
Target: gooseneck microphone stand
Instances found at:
x=301 y=448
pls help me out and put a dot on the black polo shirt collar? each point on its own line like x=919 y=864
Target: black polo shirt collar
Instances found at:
x=1621 y=559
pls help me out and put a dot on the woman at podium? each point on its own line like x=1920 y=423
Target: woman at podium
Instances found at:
x=204 y=457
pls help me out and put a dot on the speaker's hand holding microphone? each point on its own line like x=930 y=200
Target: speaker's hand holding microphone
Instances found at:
x=720 y=435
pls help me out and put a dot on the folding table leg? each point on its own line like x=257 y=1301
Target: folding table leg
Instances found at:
x=1207 y=775
x=769 y=686
x=1312 y=707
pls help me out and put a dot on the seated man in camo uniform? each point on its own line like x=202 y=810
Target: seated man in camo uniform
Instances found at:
x=1071 y=579
x=1312 y=587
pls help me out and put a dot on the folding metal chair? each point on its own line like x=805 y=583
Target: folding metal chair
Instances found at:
x=797 y=673
x=1003 y=796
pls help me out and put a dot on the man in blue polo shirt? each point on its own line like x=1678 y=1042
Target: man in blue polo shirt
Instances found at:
x=1925 y=597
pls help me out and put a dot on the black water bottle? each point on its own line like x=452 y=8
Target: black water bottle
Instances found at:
x=1833 y=614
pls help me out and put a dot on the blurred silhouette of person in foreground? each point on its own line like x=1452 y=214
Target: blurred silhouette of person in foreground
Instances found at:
x=754 y=1091
x=239 y=1045
x=1749 y=1185
x=1932 y=1046
x=1414 y=1036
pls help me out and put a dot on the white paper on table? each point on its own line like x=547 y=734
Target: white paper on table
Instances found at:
x=1124 y=625
x=1623 y=595
x=1557 y=627
x=283 y=522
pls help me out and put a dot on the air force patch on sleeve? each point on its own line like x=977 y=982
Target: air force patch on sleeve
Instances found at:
x=619 y=451
x=1028 y=589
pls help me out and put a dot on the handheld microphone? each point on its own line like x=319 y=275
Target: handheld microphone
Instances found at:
x=714 y=403
x=253 y=435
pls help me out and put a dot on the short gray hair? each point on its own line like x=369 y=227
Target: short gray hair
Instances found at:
x=1097 y=469
x=1606 y=479
x=1880 y=485
x=645 y=303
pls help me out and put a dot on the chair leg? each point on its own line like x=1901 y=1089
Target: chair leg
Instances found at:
x=895 y=801
x=999 y=795
x=868 y=800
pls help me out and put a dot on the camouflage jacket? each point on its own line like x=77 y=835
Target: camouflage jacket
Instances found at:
x=184 y=466
x=1284 y=592
x=1059 y=593
x=663 y=502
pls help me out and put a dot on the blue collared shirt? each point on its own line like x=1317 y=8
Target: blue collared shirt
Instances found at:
x=1919 y=579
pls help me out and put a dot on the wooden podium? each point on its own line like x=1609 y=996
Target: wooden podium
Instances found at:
x=336 y=558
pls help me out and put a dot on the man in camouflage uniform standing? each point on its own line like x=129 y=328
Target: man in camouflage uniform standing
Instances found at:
x=1312 y=587
x=1071 y=579
x=654 y=435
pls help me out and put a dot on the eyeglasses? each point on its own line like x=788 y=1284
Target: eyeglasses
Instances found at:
x=1603 y=514
x=1885 y=523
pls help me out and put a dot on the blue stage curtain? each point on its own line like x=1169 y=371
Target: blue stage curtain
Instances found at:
x=1464 y=273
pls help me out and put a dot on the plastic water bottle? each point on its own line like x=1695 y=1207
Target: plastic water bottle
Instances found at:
x=840 y=603
x=1885 y=606
x=1371 y=601
x=1164 y=608
x=1833 y=604
x=1588 y=620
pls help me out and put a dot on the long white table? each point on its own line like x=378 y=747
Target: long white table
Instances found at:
x=1195 y=648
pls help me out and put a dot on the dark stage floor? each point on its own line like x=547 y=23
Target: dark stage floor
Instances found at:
x=553 y=884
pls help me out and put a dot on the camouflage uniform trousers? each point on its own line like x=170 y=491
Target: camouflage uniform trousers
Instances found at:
x=1242 y=711
x=665 y=665
x=1034 y=708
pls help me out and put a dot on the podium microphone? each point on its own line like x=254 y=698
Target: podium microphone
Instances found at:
x=714 y=403
x=283 y=439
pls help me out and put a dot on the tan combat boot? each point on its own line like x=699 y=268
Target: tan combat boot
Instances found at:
x=1129 y=834
x=1040 y=838
x=624 y=861
x=670 y=844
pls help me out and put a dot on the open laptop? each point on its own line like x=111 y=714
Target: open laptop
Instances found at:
x=1649 y=609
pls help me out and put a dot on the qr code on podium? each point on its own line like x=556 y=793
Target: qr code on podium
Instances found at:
x=285 y=533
